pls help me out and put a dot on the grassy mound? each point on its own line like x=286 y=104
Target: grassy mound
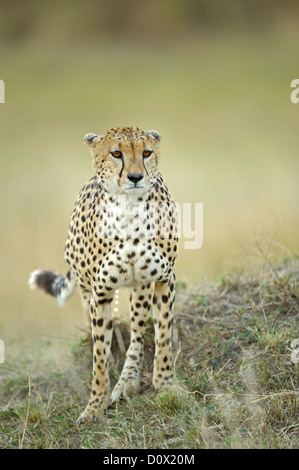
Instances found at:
x=236 y=376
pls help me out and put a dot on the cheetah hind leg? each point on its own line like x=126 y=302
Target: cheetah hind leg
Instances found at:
x=140 y=305
x=85 y=300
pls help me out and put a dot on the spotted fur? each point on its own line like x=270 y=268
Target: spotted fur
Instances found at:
x=123 y=233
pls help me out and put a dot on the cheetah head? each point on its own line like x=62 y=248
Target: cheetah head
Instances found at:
x=125 y=159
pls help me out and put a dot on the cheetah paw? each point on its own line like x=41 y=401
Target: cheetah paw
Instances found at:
x=125 y=388
x=90 y=414
x=87 y=416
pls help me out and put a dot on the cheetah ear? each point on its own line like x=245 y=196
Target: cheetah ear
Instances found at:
x=154 y=135
x=92 y=139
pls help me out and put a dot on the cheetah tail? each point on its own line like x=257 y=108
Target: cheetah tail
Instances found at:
x=60 y=287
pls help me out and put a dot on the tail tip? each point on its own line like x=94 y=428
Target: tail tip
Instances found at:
x=44 y=279
x=32 y=281
x=54 y=284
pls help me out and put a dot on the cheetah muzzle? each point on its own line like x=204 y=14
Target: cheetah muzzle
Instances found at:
x=123 y=233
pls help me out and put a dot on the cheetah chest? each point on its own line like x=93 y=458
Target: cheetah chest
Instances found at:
x=134 y=262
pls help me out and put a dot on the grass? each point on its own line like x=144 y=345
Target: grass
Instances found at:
x=236 y=386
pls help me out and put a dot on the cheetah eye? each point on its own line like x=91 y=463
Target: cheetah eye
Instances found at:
x=147 y=153
x=116 y=154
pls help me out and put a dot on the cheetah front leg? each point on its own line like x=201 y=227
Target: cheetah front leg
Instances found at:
x=101 y=328
x=140 y=305
x=163 y=301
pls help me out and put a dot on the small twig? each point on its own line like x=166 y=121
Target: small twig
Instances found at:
x=197 y=317
x=120 y=340
x=264 y=313
x=111 y=358
x=258 y=397
x=6 y=407
x=220 y=370
x=27 y=414
x=287 y=428
x=266 y=258
x=175 y=338
x=176 y=357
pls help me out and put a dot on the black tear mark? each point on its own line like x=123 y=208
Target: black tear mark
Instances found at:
x=144 y=167
x=122 y=168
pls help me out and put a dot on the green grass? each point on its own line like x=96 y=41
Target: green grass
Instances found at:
x=236 y=386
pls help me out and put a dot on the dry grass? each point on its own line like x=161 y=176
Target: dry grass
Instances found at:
x=236 y=386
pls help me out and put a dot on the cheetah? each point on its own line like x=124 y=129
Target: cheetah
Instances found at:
x=123 y=232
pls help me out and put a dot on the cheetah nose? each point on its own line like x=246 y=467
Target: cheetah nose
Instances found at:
x=135 y=178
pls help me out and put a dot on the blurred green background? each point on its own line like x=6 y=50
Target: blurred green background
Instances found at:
x=213 y=77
